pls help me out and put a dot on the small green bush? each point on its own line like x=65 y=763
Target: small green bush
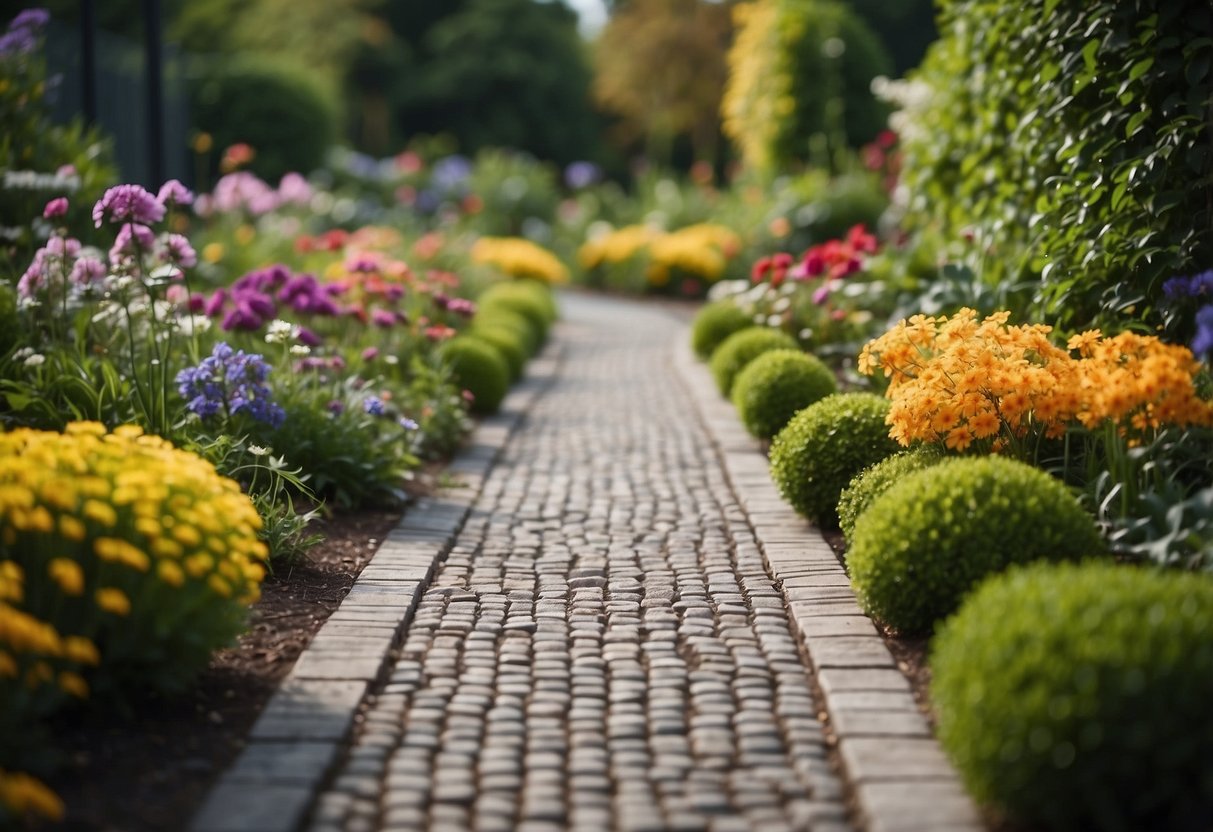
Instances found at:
x=480 y=370
x=508 y=345
x=526 y=298
x=770 y=390
x=1076 y=696
x=715 y=322
x=930 y=538
x=875 y=480
x=742 y=347
x=824 y=446
x=499 y=317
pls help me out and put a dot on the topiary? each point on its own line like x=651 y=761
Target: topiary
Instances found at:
x=1076 y=696
x=824 y=446
x=521 y=298
x=499 y=317
x=770 y=390
x=876 y=479
x=715 y=322
x=508 y=344
x=742 y=347
x=930 y=538
x=479 y=369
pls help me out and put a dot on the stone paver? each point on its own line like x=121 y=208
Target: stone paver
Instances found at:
x=616 y=625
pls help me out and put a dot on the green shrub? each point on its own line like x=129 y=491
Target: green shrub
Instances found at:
x=508 y=345
x=715 y=322
x=742 y=347
x=500 y=317
x=875 y=480
x=1081 y=125
x=1076 y=696
x=824 y=446
x=279 y=109
x=479 y=369
x=930 y=538
x=526 y=298
x=770 y=390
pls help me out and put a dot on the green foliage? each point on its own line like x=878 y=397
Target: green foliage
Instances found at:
x=742 y=347
x=526 y=297
x=278 y=108
x=930 y=538
x=875 y=480
x=1076 y=696
x=518 y=193
x=1074 y=140
x=799 y=89
x=824 y=447
x=714 y=322
x=848 y=200
x=772 y=388
x=479 y=369
x=507 y=343
x=498 y=316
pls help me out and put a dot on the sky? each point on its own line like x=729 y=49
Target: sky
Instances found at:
x=593 y=14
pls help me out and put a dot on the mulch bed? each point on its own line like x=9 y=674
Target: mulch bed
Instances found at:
x=148 y=770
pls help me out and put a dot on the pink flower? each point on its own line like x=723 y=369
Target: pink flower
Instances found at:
x=174 y=192
x=438 y=332
x=370 y=353
x=132 y=238
x=87 y=270
x=127 y=203
x=822 y=294
x=383 y=318
x=55 y=208
x=178 y=251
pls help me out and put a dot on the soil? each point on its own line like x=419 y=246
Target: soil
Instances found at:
x=148 y=771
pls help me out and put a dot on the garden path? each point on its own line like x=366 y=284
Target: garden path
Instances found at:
x=625 y=630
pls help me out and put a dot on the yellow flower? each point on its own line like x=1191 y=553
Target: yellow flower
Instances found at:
x=519 y=257
x=170 y=572
x=81 y=650
x=212 y=252
x=73 y=684
x=23 y=795
x=67 y=574
x=71 y=528
x=113 y=600
x=100 y=512
x=117 y=550
x=8 y=665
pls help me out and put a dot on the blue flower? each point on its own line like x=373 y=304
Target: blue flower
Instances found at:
x=373 y=405
x=228 y=382
x=1203 y=342
x=408 y=424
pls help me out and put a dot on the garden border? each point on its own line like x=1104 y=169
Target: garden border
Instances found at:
x=901 y=779
x=300 y=734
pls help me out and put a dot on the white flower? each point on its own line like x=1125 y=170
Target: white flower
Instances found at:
x=257 y=450
x=23 y=353
x=279 y=332
x=35 y=360
x=300 y=349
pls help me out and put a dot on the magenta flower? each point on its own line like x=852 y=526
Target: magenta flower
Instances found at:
x=383 y=318
x=370 y=353
x=87 y=270
x=127 y=203
x=178 y=251
x=175 y=193
x=55 y=208
x=131 y=239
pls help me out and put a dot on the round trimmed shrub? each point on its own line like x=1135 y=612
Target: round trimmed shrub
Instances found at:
x=713 y=323
x=770 y=390
x=499 y=317
x=929 y=539
x=742 y=347
x=1076 y=696
x=875 y=480
x=479 y=369
x=816 y=454
x=137 y=557
x=508 y=344
x=527 y=298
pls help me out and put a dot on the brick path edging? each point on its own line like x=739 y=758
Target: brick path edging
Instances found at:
x=902 y=780
x=303 y=728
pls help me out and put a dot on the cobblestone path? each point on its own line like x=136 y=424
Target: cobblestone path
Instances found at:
x=603 y=648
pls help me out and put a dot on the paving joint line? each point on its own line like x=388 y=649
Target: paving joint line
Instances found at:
x=304 y=730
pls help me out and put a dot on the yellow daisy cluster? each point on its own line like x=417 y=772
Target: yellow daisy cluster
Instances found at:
x=701 y=251
x=615 y=246
x=22 y=795
x=519 y=257
x=1138 y=383
x=960 y=381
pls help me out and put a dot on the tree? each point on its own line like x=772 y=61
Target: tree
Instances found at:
x=660 y=66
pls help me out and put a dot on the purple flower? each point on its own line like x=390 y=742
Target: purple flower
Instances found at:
x=1198 y=285
x=21 y=38
x=1203 y=342
x=336 y=407
x=370 y=353
x=178 y=251
x=307 y=337
x=173 y=192
x=383 y=318
x=55 y=208
x=374 y=406
x=450 y=172
x=229 y=382
x=87 y=270
x=407 y=423
x=582 y=174
x=131 y=239
x=127 y=203
x=462 y=306
x=30 y=19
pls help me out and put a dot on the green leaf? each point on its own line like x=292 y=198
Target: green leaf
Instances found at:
x=1135 y=122
x=1140 y=68
x=1088 y=53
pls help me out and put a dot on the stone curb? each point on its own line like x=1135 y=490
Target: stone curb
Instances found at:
x=902 y=780
x=303 y=728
